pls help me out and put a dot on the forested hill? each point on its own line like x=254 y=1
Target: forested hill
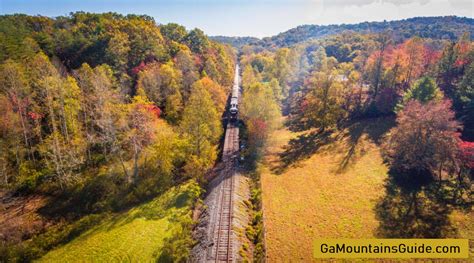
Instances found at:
x=448 y=27
x=237 y=42
x=85 y=92
x=122 y=42
x=99 y=112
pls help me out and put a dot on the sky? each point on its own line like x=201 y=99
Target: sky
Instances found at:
x=259 y=18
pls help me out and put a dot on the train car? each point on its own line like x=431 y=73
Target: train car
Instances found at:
x=235 y=91
x=234 y=100
x=234 y=107
x=234 y=103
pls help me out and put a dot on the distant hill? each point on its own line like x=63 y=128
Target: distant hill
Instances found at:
x=237 y=42
x=447 y=27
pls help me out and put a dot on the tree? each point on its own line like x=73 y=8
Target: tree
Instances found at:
x=14 y=84
x=323 y=104
x=424 y=90
x=81 y=95
x=184 y=61
x=210 y=68
x=414 y=50
x=277 y=90
x=261 y=113
x=166 y=151
x=99 y=107
x=117 y=52
x=377 y=65
x=224 y=64
x=215 y=90
x=161 y=84
x=281 y=69
x=464 y=102
x=174 y=32
x=454 y=61
x=467 y=154
x=248 y=76
x=197 y=41
x=11 y=142
x=425 y=140
x=318 y=58
x=146 y=42
x=141 y=131
x=64 y=148
x=202 y=128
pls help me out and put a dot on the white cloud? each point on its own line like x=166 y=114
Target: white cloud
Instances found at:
x=355 y=11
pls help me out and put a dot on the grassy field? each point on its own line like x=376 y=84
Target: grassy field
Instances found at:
x=137 y=235
x=329 y=186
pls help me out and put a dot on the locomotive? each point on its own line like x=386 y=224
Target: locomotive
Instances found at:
x=234 y=100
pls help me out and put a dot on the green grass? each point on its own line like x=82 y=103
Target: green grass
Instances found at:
x=326 y=187
x=138 y=235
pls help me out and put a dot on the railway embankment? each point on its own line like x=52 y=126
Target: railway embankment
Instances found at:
x=221 y=229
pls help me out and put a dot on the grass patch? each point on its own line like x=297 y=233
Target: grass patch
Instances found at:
x=151 y=231
x=327 y=187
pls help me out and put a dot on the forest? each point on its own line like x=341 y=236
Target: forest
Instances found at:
x=110 y=115
x=447 y=27
x=412 y=96
x=104 y=111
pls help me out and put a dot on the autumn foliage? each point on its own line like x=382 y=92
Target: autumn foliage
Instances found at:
x=104 y=95
x=467 y=153
x=425 y=140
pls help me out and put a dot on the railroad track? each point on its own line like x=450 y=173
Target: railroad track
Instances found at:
x=221 y=250
x=221 y=230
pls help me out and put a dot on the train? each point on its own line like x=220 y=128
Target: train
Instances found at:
x=234 y=99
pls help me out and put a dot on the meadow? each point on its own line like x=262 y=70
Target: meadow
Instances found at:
x=139 y=234
x=332 y=186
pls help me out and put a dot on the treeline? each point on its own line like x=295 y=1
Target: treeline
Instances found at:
x=448 y=28
x=108 y=109
x=266 y=79
x=237 y=42
x=324 y=86
x=426 y=83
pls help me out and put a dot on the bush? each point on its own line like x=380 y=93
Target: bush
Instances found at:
x=177 y=248
x=38 y=246
x=28 y=177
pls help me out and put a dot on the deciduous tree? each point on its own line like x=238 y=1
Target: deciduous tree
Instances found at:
x=202 y=128
x=425 y=140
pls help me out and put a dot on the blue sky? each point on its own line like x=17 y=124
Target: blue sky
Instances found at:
x=258 y=18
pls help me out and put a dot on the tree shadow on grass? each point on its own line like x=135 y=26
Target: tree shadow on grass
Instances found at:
x=307 y=144
x=301 y=148
x=169 y=204
x=417 y=207
x=375 y=129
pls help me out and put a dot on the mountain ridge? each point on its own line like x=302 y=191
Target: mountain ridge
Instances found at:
x=437 y=27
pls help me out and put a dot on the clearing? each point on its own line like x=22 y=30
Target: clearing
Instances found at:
x=333 y=186
x=137 y=235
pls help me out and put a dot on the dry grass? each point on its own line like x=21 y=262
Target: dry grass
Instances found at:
x=330 y=191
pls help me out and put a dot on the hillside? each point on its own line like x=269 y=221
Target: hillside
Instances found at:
x=97 y=112
x=448 y=27
x=144 y=233
x=237 y=42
